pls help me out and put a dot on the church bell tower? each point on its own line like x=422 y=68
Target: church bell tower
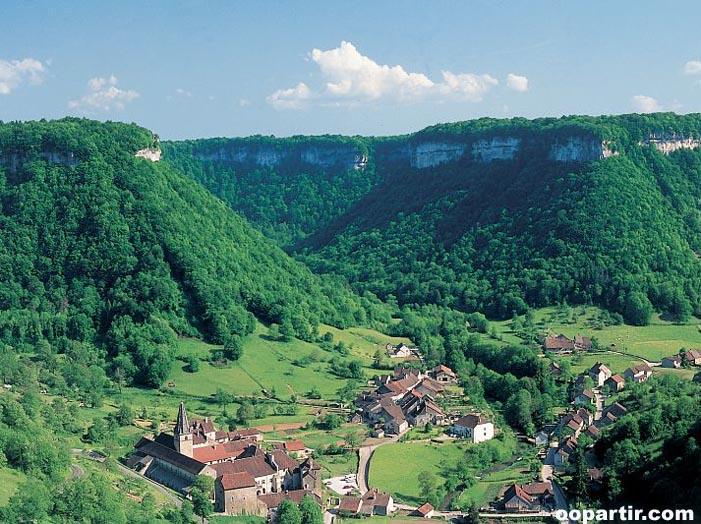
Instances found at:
x=182 y=437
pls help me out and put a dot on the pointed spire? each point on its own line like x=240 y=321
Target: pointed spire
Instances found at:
x=182 y=426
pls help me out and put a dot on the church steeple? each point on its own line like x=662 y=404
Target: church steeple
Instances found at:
x=182 y=425
x=182 y=436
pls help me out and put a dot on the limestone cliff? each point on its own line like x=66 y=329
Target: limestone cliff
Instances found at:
x=667 y=144
x=270 y=155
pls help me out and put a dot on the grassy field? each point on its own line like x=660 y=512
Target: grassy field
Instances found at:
x=616 y=363
x=365 y=341
x=337 y=465
x=265 y=364
x=9 y=480
x=659 y=339
x=395 y=467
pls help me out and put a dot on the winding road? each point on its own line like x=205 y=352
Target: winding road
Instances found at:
x=364 y=455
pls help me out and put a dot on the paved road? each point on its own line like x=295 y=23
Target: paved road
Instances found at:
x=364 y=456
x=561 y=500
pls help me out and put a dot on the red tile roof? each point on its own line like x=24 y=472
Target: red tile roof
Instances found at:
x=257 y=467
x=294 y=445
x=350 y=504
x=222 y=451
x=283 y=460
x=558 y=342
x=425 y=509
x=537 y=489
x=516 y=490
x=241 y=480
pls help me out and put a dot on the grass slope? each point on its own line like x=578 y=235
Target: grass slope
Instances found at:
x=265 y=364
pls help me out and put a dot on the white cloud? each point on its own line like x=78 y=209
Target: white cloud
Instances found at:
x=244 y=102
x=352 y=78
x=693 y=67
x=183 y=92
x=466 y=86
x=293 y=98
x=645 y=104
x=16 y=72
x=103 y=95
x=517 y=82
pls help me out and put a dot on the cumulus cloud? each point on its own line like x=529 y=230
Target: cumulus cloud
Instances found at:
x=351 y=77
x=103 y=95
x=183 y=92
x=293 y=98
x=645 y=104
x=517 y=82
x=17 y=72
x=693 y=67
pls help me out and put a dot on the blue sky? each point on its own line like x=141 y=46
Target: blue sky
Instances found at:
x=199 y=69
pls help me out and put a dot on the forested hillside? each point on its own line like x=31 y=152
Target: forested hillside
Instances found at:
x=289 y=201
x=102 y=249
x=578 y=209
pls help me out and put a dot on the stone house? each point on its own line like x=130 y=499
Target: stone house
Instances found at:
x=474 y=427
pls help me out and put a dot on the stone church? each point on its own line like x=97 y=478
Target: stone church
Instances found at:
x=249 y=479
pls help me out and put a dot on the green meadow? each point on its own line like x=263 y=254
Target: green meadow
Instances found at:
x=621 y=345
x=395 y=467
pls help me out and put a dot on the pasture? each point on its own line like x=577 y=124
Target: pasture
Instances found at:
x=395 y=467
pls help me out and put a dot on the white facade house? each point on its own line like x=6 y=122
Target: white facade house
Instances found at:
x=474 y=427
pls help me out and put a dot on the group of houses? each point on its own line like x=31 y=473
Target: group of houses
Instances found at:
x=408 y=398
x=587 y=417
x=691 y=357
x=571 y=426
x=562 y=345
x=248 y=479
x=373 y=502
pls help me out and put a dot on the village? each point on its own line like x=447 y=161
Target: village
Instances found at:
x=253 y=474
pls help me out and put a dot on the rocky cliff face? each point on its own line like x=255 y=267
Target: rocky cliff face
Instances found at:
x=573 y=149
x=13 y=161
x=346 y=157
x=497 y=148
x=150 y=153
x=670 y=144
x=430 y=154
x=579 y=149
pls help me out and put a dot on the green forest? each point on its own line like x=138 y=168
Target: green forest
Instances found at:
x=499 y=237
x=114 y=256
